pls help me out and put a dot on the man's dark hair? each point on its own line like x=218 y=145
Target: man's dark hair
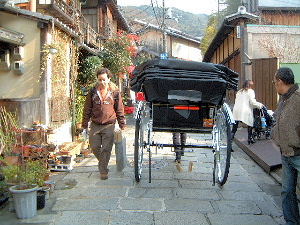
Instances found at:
x=286 y=75
x=102 y=71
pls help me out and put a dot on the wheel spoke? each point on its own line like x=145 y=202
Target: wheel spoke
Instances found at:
x=138 y=148
x=222 y=145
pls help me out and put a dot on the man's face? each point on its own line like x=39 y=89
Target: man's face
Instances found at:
x=277 y=85
x=103 y=80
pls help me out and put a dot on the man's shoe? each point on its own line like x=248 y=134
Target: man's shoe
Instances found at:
x=103 y=176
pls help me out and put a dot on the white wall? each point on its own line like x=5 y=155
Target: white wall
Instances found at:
x=182 y=51
x=274 y=41
x=22 y=85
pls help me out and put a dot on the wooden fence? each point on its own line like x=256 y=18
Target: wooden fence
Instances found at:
x=263 y=71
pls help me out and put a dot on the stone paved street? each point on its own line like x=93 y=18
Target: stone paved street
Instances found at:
x=250 y=196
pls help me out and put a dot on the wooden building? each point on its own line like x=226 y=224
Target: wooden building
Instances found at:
x=254 y=45
x=179 y=45
x=40 y=45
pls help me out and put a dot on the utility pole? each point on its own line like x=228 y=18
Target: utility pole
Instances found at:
x=221 y=4
x=165 y=49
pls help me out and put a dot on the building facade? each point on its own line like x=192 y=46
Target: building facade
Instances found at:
x=41 y=45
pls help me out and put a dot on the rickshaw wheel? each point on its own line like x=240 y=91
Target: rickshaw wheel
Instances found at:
x=138 y=149
x=222 y=145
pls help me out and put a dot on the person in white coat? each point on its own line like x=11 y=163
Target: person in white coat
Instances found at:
x=244 y=104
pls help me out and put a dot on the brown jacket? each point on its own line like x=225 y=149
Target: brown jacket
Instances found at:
x=106 y=112
x=286 y=132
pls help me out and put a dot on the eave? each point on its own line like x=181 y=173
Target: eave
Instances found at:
x=118 y=16
x=170 y=31
x=46 y=19
x=228 y=25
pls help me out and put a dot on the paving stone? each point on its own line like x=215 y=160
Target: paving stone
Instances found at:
x=86 y=204
x=253 y=169
x=86 y=182
x=95 y=192
x=144 y=204
x=179 y=218
x=128 y=169
x=129 y=218
x=243 y=159
x=217 y=219
x=203 y=168
x=234 y=166
x=157 y=183
x=280 y=220
x=150 y=193
x=238 y=207
x=111 y=174
x=243 y=195
x=193 y=176
x=277 y=201
x=237 y=186
x=85 y=169
x=83 y=217
x=57 y=176
x=239 y=178
x=129 y=175
x=91 y=192
x=8 y=218
x=269 y=208
x=115 y=182
x=68 y=193
x=159 y=175
x=204 y=159
x=77 y=176
x=239 y=171
x=188 y=205
x=197 y=184
x=271 y=189
x=197 y=194
x=233 y=160
x=50 y=218
x=65 y=184
x=264 y=178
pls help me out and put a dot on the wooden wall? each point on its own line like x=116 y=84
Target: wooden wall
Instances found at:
x=263 y=71
x=235 y=64
x=289 y=18
x=228 y=54
x=227 y=48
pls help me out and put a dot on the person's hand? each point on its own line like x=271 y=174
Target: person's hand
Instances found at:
x=261 y=106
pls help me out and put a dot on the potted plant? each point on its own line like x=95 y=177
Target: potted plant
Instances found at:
x=28 y=176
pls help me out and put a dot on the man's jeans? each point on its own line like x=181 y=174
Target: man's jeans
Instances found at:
x=290 y=168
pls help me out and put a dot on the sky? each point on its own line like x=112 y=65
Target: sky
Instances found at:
x=193 y=6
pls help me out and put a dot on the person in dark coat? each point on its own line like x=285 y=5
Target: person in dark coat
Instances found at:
x=286 y=134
